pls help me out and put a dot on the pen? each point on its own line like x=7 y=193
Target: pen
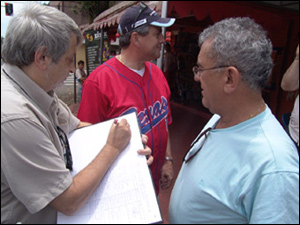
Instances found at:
x=116 y=122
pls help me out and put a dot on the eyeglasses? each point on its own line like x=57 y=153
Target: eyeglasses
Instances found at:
x=205 y=132
x=67 y=151
x=197 y=70
x=143 y=7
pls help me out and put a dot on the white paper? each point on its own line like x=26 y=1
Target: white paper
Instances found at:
x=126 y=193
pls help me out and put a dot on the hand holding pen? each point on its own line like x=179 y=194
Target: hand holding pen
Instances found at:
x=146 y=151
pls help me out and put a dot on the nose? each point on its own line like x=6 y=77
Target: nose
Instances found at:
x=197 y=78
x=72 y=69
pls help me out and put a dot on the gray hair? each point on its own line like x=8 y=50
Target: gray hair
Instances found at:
x=35 y=27
x=124 y=40
x=242 y=43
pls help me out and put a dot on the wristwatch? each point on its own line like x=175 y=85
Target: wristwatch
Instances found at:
x=169 y=159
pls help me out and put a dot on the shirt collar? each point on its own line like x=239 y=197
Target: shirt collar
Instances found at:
x=36 y=94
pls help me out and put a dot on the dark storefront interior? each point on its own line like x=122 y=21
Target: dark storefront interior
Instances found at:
x=192 y=17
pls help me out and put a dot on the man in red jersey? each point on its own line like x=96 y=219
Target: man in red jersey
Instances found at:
x=130 y=83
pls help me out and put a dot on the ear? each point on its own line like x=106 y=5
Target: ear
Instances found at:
x=135 y=39
x=41 y=60
x=232 y=79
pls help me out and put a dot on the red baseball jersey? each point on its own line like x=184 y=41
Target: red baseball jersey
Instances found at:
x=112 y=90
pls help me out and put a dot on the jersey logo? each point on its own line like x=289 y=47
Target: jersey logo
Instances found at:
x=158 y=112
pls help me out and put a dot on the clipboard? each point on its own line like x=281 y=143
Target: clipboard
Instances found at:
x=126 y=194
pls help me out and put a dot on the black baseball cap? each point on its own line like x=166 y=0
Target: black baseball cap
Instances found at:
x=135 y=17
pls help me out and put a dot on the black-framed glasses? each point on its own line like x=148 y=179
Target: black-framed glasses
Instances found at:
x=142 y=8
x=197 y=70
x=67 y=151
x=205 y=132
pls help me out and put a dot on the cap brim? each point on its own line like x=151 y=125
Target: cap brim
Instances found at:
x=163 y=22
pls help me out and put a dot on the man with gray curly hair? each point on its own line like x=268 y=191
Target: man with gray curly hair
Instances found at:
x=36 y=161
x=243 y=167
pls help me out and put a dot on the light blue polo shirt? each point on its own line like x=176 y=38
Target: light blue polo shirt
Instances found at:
x=248 y=173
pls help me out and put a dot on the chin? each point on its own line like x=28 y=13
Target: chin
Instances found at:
x=58 y=85
x=204 y=104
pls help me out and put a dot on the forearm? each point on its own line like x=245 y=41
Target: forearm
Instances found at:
x=167 y=173
x=85 y=182
x=290 y=80
x=168 y=150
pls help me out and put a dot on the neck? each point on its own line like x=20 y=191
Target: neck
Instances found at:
x=130 y=61
x=241 y=113
x=38 y=76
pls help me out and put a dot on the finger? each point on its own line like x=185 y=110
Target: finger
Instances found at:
x=150 y=160
x=146 y=151
x=144 y=139
x=123 y=122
